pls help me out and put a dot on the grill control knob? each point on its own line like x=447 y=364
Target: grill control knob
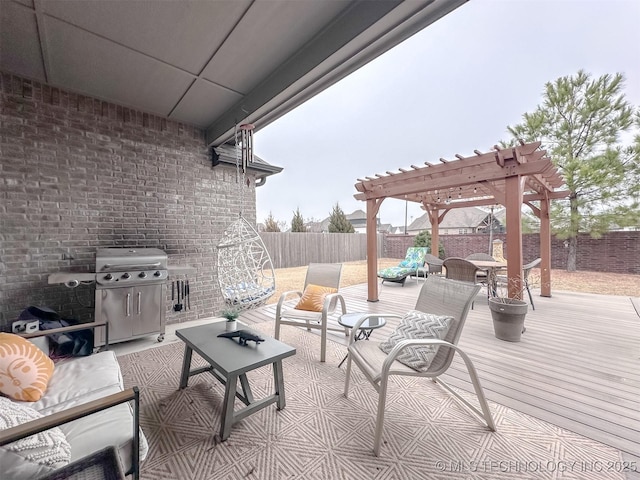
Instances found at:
x=108 y=276
x=157 y=274
x=142 y=274
x=125 y=275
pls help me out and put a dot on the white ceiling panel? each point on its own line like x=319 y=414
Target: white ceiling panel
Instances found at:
x=203 y=103
x=92 y=65
x=182 y=33
x=19 y=45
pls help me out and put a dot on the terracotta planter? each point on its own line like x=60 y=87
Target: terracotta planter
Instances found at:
x=508 y=318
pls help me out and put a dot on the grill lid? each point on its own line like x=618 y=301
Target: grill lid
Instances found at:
x=121 y=259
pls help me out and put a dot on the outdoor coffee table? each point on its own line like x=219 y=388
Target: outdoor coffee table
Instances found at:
x=349 y=320
x=229 y=362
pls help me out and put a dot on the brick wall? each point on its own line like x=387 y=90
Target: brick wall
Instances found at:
x=77 y=174
x=617 y=252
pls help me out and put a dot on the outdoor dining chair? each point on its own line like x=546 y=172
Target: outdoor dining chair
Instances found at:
x=462 y=270
x=317 y=302
x=526 y=270
x=423 y=345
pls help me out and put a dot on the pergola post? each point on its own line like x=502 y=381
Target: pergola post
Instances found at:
x=435 y=231
x=373 y=206
x=513 y=202
x=545 y=249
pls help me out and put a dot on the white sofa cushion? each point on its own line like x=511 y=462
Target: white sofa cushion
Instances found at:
x=79 y=380
x=113 y=426
x=33 y=456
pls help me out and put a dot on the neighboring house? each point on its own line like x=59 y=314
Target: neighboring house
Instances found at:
x=460 y=221
x=388 y=228
x=358 y=220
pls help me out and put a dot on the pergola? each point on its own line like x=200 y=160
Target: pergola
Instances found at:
x=505 y=176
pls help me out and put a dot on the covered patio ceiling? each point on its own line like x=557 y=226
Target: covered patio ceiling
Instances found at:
x=210 y=64
x=506 y=176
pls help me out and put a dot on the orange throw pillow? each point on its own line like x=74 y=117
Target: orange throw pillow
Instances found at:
x=313 y=298
x=24 y=369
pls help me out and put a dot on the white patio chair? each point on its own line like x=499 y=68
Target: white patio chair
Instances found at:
x=323 y=303
x=441 y=297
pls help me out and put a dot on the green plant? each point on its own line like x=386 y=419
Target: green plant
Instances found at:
x=423 y=239
x=591 y=132
x=231 y=314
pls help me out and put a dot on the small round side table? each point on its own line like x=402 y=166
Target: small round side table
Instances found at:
x=348 y=320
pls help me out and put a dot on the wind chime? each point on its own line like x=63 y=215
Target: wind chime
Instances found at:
x=245 y=272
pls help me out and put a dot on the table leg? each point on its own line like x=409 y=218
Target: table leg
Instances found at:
x=186 y=366
x=362 y=334
x=227 y=407
x=246 y=389
x=278 y=380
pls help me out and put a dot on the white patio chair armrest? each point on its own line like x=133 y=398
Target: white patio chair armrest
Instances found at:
x=356 y=326
x=400 y=346
x=330 y=302
x=283 y=298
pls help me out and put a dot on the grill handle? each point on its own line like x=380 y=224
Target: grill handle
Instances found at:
x=140 y=266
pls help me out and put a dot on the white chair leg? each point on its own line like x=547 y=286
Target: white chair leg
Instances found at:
x=347 y=377
x=382 y=400
x=277 y=329
x=323 y=340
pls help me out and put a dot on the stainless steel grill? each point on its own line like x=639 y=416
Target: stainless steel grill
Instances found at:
x=130 y=292
x=123 y=267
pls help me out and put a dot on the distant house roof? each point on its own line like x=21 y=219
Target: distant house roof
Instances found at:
x=318 y=227
x=226 y=154
x=356 y=215
x=471 y=217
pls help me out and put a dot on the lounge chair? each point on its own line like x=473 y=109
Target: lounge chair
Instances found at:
x=413 y=260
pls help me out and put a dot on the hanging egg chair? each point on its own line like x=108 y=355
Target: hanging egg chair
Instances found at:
x=245 y=271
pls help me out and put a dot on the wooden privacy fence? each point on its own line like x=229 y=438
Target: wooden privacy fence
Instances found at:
x=297 y=249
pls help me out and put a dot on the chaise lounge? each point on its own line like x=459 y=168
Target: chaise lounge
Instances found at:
x=413 y=260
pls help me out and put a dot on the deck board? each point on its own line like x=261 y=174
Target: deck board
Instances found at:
x=576 y=366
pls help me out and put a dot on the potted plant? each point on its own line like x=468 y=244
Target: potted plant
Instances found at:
x=231 y=314
x=508 y=314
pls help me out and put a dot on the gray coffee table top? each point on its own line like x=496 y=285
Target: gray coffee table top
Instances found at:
x=226 y=355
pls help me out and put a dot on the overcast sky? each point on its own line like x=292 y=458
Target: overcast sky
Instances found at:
x=452 y=88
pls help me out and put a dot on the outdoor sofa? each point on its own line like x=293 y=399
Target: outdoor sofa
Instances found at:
x=83 y=410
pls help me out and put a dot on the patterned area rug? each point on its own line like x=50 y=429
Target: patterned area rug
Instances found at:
x=323 y=435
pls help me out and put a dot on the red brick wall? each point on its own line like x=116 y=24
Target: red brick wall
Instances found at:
x=78 y=174
x=617 y=252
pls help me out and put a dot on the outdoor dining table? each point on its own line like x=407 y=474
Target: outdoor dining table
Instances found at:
x=492 y=268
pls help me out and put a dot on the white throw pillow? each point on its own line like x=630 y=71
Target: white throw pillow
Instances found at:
x=418 y=325
x=33 y=456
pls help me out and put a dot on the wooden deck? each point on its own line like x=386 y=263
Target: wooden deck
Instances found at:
x=576 y=367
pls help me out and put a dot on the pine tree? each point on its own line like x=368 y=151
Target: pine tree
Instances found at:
x=297 y=223
x=581 y=123
x=338 y=222
x=270 y=224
